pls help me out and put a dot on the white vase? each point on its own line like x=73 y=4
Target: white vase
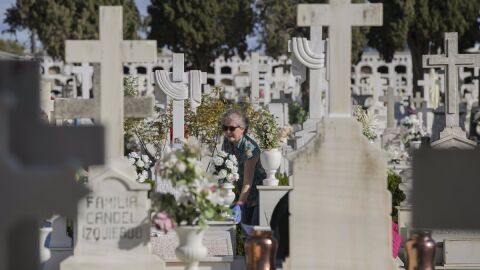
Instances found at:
x=271 y=160
x=44 y=250
x=190 y=249
x=228 y=194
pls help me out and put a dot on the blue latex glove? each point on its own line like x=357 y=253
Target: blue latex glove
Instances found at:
x=237 y=213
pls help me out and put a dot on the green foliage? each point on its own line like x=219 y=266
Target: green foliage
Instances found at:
x=240 y=240
x=203 y=30
x=421 y=25
x=398 y=196
x=283 y=178
x=55 y=21
x=296 y=113
x=11 y=46
x=278 y=21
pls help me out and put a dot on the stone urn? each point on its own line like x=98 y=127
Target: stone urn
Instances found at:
x=228 y=194
x=190 y=249
x=45 y=254
x=271 y=160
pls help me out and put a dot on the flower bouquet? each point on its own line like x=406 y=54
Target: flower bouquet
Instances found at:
x=142 y=165
x=226 y=167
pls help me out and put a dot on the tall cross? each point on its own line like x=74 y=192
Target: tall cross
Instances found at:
x=390 y=99
x=340 y=16
x=311 y=53
x=85 y=72
x=35 y=164
x=179 y=86
x=253 y=69
x=110 y=51
x=450 y=61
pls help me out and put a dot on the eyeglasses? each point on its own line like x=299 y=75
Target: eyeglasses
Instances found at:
x=230 y=128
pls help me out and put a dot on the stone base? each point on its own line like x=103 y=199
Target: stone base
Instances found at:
x=454 y=138
x=209 y=263
x=118 y=262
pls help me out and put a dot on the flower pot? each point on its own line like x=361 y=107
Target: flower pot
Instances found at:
x=190 y=249
x=425 y=247
x=228 y=194
x=44 y=249
x=260 y=250
x=271 y=160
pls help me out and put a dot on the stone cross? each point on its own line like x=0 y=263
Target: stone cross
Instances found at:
x=417 y=100
x=451 y=60
x=173 y=85
x=85 y=72
x=46 y=102
x=340 y=42
x=36 y=161
x=390 y=99
x=254 y=69
x=311 y=54
x=110 y=51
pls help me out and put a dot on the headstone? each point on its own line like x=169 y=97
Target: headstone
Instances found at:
x=31 y=180
x=111 y=51
x=452 y=134
x=46 y=101
x=334 y=225
x=112 y=227
x=390 y=100
x=254 y=69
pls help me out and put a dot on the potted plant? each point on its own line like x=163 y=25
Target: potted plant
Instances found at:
x=226 y=173
x=269 y=136
x=198 y=202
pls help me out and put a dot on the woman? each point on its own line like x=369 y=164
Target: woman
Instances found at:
x=247 y=152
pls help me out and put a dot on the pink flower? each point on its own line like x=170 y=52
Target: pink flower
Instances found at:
x=397 y=240
x=163 y=222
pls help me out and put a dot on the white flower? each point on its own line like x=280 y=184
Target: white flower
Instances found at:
x=222 y=174
x=133 y=155
x=217 y=161
x=234 y=169
x=222 y=154
x=146 y=159
x=198 y=169
x=142 y=176
x=233 y=158
x=140 y=163
x=131 y=160
x=181 y=167
x=191 y=160
x=229 y=164
x=236 y=176
x=230 y=177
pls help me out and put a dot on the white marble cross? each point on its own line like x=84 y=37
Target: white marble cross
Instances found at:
x=311 y=54
x=179 y=86
x=110 y=51
x=450 y=61
x=84 y=73
x=339 y=16
x=254 y=69
x=390 y=99
x=29 y=190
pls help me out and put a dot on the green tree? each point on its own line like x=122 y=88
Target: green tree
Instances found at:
x=202 y=30
x=11 y=46
x=55 y=21
x=421 y=25
x=278 y=23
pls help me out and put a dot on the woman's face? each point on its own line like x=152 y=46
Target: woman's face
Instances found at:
x=232 y=130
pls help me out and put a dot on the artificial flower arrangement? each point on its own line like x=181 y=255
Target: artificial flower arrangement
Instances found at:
x=368 y=122
x=226 y=168
x=199 y=199
x=411 y=129
x=142 y=165
x=266 y=130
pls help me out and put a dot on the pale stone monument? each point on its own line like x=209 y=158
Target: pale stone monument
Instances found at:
x=340 y=204
x=254 y=68
x=452 y=135
x=46 y=102
x=113 y=226
x=31 y=168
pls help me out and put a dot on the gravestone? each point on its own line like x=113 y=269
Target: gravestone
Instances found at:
x=46 y=102
x=340 y=204
x=178 y=86
x=452 y=135
x=112 y=229
x=33 y=167
x=254 y=68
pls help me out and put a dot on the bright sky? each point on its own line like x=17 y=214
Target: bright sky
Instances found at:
x=23 y=36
